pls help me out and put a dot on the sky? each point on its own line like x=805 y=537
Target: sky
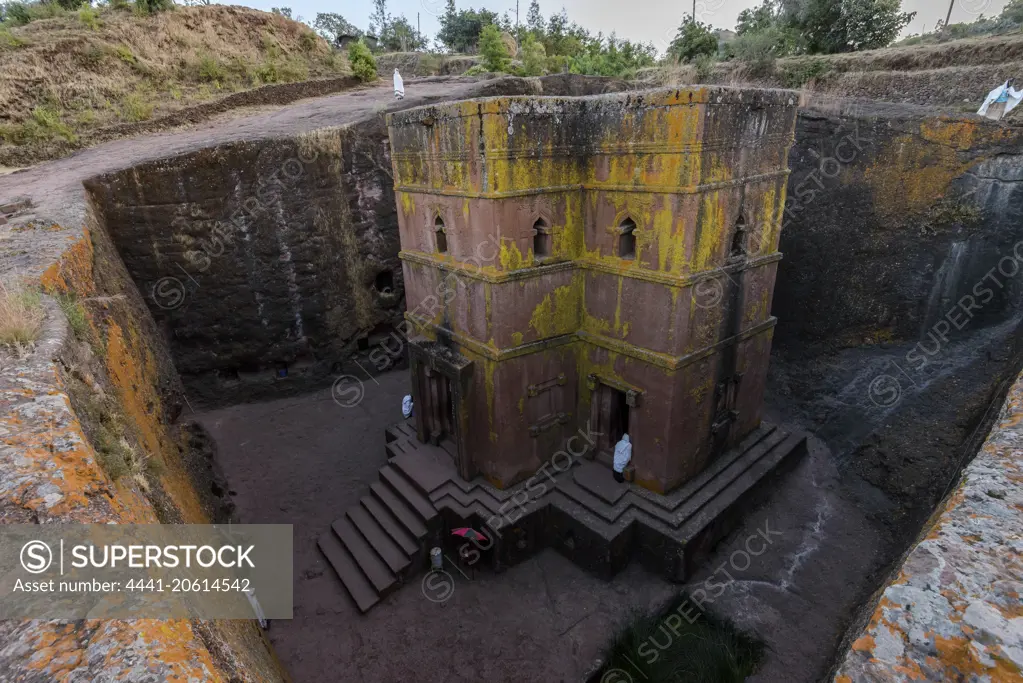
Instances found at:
x=652 y=21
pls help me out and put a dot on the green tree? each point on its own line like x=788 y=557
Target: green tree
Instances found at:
x=282 y=11
x=1013 y=11
x=460 y=30
x=534 y=20
x=142 y=6
x=821 y=26
x=692 y=40
x=361 y=60
x=534 y=57
x=493 y=50
x=333 y=26
x=757 y=19
x=379 y=19
x=401 y=36
x=870 y=24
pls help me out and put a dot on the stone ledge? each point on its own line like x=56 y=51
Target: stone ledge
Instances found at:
x=954 y=611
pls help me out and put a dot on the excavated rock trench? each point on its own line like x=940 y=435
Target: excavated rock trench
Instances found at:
x=269 y=264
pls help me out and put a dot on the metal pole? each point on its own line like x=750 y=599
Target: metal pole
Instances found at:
x=694 y=11
x=948 y=17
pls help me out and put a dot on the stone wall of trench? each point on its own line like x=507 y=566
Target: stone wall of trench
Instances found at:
x=84 y=393
x=903 y=249
x=952 y=612
x=265 y=264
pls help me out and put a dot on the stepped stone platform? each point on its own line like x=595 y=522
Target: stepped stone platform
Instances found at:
x=580 y=510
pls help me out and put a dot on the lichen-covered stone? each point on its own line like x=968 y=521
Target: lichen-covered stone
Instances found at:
x=954 y=612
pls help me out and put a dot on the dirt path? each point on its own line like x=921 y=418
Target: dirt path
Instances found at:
x=59 y=199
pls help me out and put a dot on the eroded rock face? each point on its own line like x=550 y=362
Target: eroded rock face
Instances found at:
x=892 y=219
x=953 y=612
x=261 y=260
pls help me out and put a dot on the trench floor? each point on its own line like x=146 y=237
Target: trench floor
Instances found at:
x=304 y=460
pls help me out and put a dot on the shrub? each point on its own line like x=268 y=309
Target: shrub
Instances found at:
x=75 y=314
x=293 y=70
x=430 y=64
x=307 y=41
x=476 y=70
x=534 y=57
x=20 y=13
x=17 y=14
x=704 y=68
x=493 y=50
x=92 y=56
x=758 y=50
x=210 y=70
x=693 y=39
x=152 y=6
x=802 y=73
x=135 y=107
x=267 y=73
x=9 y=41
x=21 y=316
x=361 y=61
x=557 y=64
x=125 y=54
x=87 y=15
x=47 y=124
x=270 y=46
x=71 y=5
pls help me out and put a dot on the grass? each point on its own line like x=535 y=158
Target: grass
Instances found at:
x=21 y=316
x=210 y=70
x=46 y=123
x=9 y=41
x=76 y=316
x=89 y=18
x=136 y=107
x=82 y=60
x=665 y=647
x=125 y=54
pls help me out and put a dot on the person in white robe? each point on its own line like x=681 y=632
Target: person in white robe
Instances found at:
x=399 y=86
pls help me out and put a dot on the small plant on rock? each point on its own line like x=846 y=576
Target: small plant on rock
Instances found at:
x=21 y=316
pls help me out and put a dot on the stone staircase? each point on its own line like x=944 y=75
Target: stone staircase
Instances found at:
x=382 y=541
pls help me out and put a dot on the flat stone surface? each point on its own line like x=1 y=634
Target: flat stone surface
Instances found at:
x=954 y=612
x=599 y=481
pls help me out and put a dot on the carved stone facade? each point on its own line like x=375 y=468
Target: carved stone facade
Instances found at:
x=603 y=260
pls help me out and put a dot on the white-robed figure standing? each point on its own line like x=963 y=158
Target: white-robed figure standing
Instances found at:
x=623 y=454
x=399 y=86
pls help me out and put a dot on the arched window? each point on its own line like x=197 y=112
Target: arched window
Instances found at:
x=627 y=239
x=738 y=249
x=442 y=235
x=542 y=240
